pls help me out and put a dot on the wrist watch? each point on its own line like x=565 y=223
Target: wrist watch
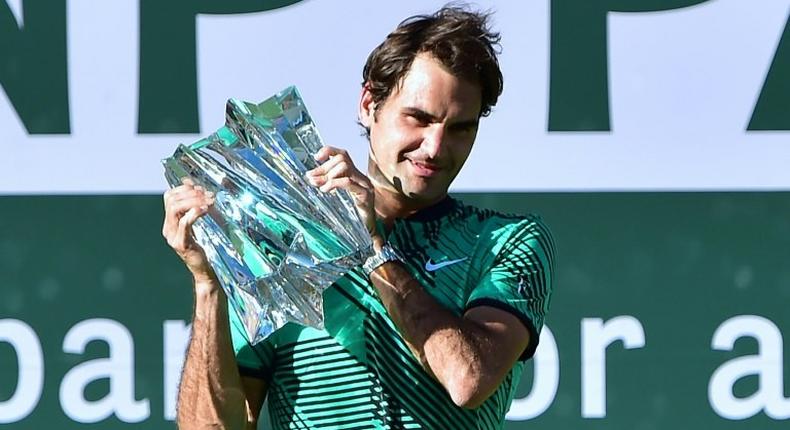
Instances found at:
x=384 y=255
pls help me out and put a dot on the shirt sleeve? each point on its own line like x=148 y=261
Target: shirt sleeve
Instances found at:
x=520 y=278
x=253 y=360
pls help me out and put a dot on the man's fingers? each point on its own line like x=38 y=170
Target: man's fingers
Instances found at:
x=180 y=207
x=182 y=192
x=329 y=157
x=325 y=152
x=341 y=169
x=177 y=196
x=338 y=171
x=175 y=216
x=337 y=165
x=357 y=190
x=336 y=178
x=326 y=167
x=176 y=192
x=183 y=235
x=322 y=154
x=179 y=201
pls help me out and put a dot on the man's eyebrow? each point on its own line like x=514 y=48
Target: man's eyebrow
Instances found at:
x=415 y=111
x=411 y=110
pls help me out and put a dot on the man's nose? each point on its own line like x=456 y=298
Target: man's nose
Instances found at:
x=433 y=142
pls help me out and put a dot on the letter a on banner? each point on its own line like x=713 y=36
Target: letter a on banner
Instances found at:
x=118 y=368
x=767 y=365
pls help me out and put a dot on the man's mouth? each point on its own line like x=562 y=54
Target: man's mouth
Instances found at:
x=422 y=168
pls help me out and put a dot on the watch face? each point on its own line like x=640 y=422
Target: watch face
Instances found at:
x=385 y=254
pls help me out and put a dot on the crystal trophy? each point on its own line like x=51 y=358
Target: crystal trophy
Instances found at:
x=274 y=241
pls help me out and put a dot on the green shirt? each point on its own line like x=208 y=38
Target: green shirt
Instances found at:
x=358 y=372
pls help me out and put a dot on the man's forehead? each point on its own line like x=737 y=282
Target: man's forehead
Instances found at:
x=430 y=87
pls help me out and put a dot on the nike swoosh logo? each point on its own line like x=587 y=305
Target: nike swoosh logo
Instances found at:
x=431 y=267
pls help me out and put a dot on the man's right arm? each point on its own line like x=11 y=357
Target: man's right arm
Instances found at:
x=212 y=394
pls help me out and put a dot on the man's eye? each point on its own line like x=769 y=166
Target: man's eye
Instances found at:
x=466 y=128
x=417 y=118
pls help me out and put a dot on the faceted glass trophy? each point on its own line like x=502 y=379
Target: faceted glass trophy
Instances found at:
x=274 y=241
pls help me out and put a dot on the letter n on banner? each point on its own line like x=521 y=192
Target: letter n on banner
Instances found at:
x=33 y=65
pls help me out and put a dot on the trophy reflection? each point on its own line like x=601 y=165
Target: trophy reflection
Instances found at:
x=274 y=241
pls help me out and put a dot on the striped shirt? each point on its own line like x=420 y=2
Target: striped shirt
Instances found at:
x=358 y=373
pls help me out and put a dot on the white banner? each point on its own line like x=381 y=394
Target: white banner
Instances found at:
x=683 y=85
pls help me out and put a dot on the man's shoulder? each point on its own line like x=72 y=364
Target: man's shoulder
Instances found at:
x=498 y=222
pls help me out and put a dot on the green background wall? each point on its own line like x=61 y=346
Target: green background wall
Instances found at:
x=680 y=263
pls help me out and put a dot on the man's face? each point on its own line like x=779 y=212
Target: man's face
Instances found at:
x=421 y=135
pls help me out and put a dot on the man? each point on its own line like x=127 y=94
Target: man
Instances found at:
x=433 y=331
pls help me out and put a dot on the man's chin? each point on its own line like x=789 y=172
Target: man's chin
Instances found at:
x=422 y=191
x=426 y=196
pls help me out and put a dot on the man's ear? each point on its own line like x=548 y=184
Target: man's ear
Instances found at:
x=367 y=107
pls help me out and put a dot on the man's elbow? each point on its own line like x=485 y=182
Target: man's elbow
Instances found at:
x=470 y=391
x=468 y=400
x=185 y=424
x=214 y=420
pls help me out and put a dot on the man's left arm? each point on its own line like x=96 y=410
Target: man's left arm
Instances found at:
x=470 y=354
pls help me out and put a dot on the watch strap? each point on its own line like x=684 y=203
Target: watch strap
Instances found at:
x=386 y=254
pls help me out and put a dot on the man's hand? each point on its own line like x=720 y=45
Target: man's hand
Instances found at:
x=338 y=171
x=183 y=206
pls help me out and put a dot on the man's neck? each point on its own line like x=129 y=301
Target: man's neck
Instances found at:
x=391 y=206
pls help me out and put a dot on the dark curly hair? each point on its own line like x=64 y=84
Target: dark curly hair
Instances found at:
x=458 y=38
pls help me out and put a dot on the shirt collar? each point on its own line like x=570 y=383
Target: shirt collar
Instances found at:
x=435 y=211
